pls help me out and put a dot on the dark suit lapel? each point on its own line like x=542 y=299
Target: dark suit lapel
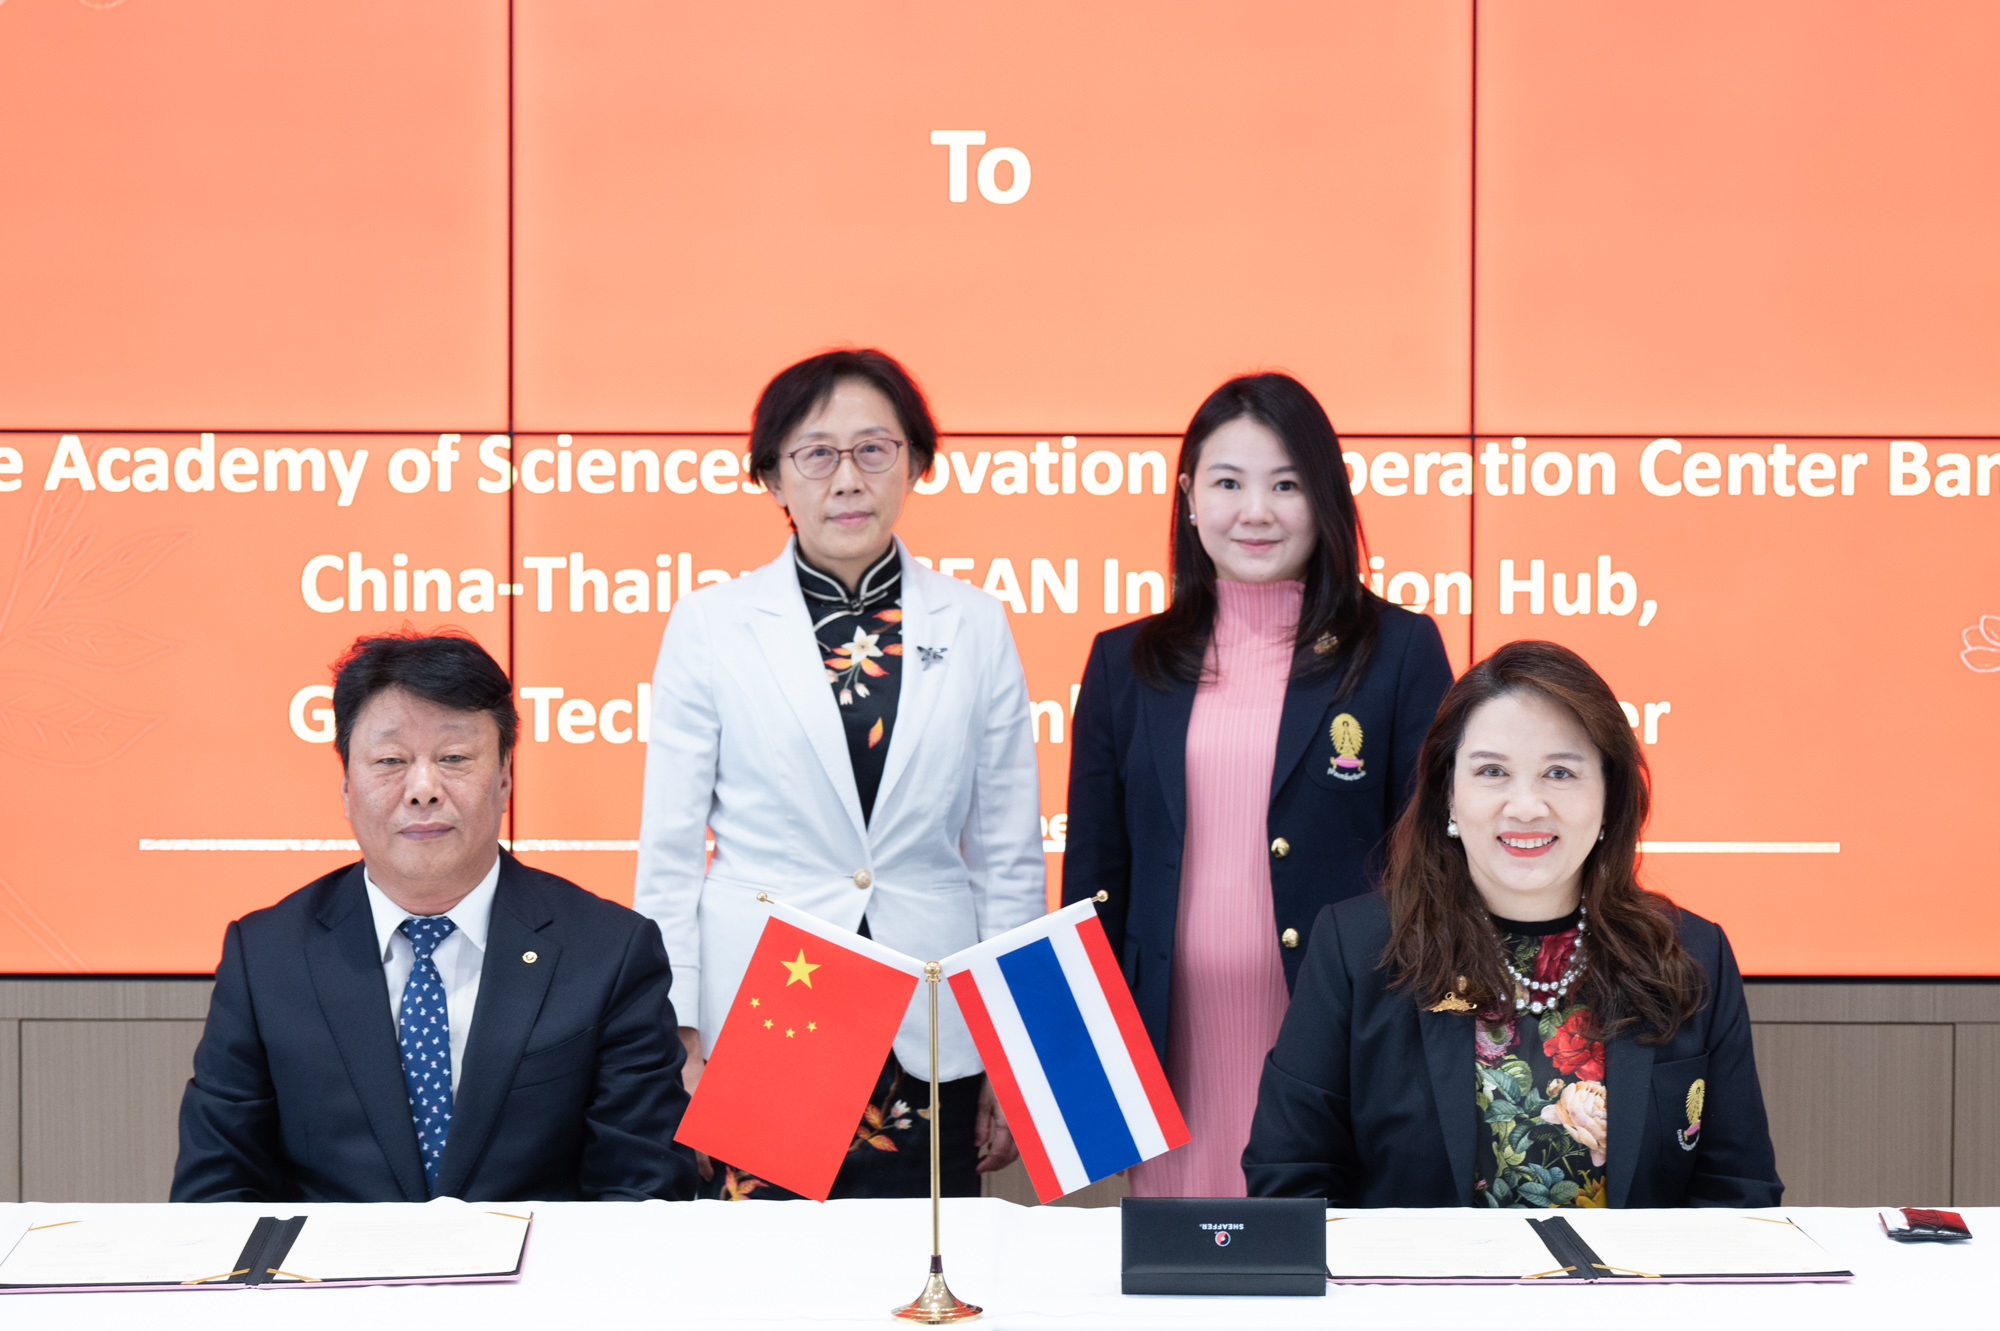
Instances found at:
x=1628 y=1087
x=1448 y=1052
x=511 y=991
x=346 y=968
x=1305 y=706
x=1164 y=717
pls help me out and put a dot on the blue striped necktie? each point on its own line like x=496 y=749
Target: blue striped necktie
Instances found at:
x=424 y=1031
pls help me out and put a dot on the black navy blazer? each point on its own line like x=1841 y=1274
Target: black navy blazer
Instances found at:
x=1367 y=1098
x=1128 y=796
x=571 y=1088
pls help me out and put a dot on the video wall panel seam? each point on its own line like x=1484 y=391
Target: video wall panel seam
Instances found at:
x=1472 y=302
x=513 y=644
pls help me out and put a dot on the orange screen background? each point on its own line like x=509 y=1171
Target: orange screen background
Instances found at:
x=1732 y=265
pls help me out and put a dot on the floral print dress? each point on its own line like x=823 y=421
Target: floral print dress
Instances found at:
x=1539 y=1085
x=860 y=636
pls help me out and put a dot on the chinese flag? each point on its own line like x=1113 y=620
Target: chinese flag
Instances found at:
x=799 y=1052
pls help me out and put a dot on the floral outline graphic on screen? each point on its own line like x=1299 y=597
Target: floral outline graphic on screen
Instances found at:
x=1982 y=646
x=45 y=719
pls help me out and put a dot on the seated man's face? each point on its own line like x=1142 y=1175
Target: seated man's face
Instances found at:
x=424 y=790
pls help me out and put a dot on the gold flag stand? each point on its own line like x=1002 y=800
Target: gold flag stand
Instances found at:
x=937 y=1305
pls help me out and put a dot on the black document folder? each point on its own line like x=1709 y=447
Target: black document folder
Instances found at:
x=1234 y=1245
x=1505 y=1247
x=201 y=1247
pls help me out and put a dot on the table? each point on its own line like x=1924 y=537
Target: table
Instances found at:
x=626 y=1266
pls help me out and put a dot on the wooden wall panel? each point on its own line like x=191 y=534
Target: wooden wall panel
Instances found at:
x=10 y=1111
x=1860 y=1114
x=1873 y=1000
x=81 y=998
x=1879 y=1093
x=100 y=1107
x=1975 y=1151
x=1011 y=1184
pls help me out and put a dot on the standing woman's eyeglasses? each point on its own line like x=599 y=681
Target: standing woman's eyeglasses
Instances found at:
x=816 y=462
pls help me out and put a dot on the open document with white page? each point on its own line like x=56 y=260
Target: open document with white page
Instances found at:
x=206 y=1248
x=1503 y=1247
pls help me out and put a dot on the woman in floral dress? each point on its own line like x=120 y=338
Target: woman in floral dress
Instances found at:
x=1513 y=1021
x=852 y=730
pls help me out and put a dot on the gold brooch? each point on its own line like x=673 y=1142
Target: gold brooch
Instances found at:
x=1452 y=1002
x=1324 y=644
x=1346 y=764
x=1689 y=1137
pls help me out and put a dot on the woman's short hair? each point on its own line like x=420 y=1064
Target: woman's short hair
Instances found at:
x=797 y=391
x=1339 y=616
x=1442 y=939
x=449 y=669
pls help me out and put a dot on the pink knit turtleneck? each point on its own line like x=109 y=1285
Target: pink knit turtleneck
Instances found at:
x=1228 y=991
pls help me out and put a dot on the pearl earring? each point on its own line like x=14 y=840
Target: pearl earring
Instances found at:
x=1451 y=828
x=1600 y=834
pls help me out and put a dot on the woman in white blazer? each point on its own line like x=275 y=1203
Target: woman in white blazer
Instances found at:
x=853 y=729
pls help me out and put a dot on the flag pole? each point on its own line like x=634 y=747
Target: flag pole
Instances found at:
x=937 y=1305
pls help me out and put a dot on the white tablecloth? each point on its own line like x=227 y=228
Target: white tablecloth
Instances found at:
x=844 y=1264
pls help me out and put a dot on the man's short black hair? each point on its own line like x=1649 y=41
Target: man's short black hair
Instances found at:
x=797 y=391
x=446 y=669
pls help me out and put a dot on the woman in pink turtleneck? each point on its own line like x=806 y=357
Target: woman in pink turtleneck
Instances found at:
x=1236 y=759
x=1229 y=987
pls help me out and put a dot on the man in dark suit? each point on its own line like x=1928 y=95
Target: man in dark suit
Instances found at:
x=440 y=1019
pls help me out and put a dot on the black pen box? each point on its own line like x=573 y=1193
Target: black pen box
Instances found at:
x=1224 y=1245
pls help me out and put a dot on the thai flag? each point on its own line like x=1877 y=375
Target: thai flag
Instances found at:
x=1065 y=1049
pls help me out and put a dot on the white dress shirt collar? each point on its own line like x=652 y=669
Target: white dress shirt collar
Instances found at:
x=472 y=915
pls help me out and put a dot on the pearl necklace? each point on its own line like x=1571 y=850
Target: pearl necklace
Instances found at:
x=1539 y=996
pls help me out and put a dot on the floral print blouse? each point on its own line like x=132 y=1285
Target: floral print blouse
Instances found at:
x=860 y=635
x=1539 y=1086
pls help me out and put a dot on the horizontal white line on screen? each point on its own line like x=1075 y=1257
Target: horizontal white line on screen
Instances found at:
x=544 y=844
x=1740 y=847
x=1682 y=847
x=244 y=843
x=311 y=843
x=526 y=844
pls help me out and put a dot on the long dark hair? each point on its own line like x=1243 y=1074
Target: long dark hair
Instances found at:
x=1338 y=619
x=1443 y=942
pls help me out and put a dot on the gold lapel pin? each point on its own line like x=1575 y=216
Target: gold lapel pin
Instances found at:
x=531 y=957
x=1452 y=1002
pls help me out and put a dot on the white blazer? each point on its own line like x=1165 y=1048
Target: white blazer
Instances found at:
x=747 y=742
